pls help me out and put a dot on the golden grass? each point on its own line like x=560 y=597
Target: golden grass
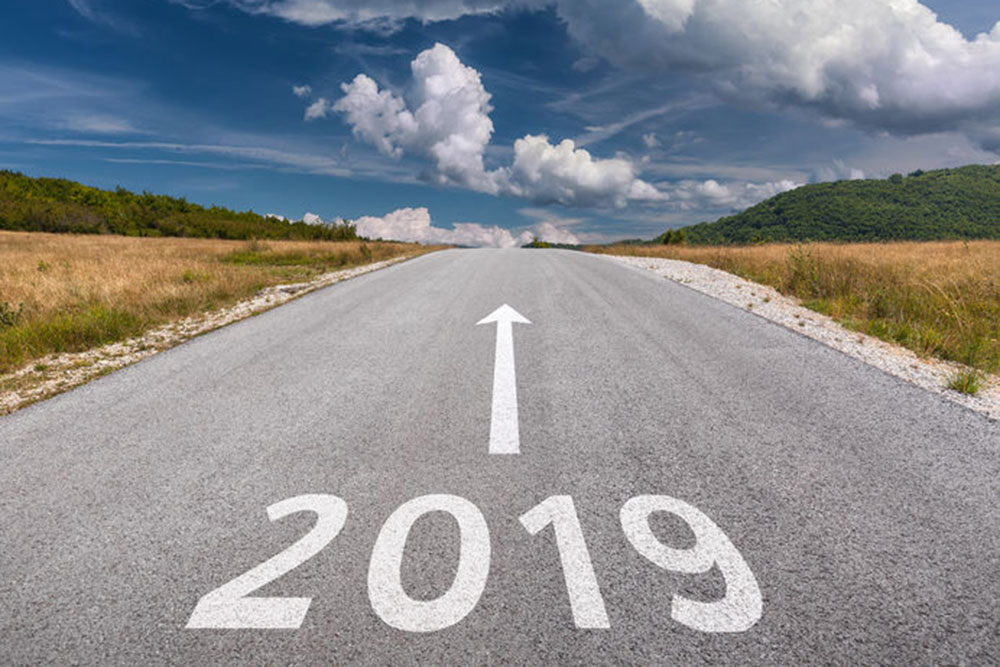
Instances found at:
x=940 y=299
x=67 y=293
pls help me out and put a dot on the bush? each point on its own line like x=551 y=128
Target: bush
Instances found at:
x=10 y=316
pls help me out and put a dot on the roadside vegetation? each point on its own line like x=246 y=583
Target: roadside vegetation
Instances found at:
x=69 y=293
x=940 y=299
x=58 y=206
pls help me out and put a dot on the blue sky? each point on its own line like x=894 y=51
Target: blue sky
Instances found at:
x=678 y=110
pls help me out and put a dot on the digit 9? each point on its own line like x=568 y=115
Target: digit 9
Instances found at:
x=742 y=605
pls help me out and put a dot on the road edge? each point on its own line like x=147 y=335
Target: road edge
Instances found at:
x=932 y=375
x=55 y=374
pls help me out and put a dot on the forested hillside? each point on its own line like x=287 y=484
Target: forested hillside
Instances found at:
x=924 y=206
x=58 y=205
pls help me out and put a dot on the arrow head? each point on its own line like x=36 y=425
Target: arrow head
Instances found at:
x=504 y=314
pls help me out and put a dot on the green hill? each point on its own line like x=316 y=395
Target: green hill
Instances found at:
x=924 y=206
x=58 y=205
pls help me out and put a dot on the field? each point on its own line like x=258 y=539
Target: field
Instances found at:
x=940 y=299
x=69 y=293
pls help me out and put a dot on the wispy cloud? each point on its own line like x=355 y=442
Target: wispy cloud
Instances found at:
x=99 y=124
x=545 y=215
x=43 y=99
x=30 y=84
x=357 y=49
x=40 y=106
x=224 y=166
x=86 y=9
x=697 y=168
x=287 y=159
x=695 y=102
x=315 y=164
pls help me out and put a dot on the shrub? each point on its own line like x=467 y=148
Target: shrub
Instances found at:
x=10 y=316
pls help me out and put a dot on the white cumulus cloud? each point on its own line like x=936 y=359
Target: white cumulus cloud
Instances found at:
x=548 y=232
x=449 y=124
x=312 y=219
x=414 y=225
x=550 y=227
x=692 y=195
x=321 y=108
x=881 y=64
x=568 y=175
x=446 y=121
x=885 y=64
x=302 y=91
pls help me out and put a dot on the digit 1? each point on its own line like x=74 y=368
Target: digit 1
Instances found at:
x=584 y=594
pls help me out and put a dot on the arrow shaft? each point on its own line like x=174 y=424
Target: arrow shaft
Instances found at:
x=504 y=436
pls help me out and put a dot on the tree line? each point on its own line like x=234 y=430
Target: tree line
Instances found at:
x=945 y=204
x=60 y=205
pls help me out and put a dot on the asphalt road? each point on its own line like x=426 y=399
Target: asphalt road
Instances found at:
x=865 y=511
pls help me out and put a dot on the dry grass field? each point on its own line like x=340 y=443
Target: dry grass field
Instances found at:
x=67 y=293
x=938 y=299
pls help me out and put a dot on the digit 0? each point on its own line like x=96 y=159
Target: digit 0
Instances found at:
x=385 y=588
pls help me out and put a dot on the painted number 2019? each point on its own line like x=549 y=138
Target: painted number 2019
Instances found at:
x=231 y=605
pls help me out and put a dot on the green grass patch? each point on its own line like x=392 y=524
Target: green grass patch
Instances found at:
x=967 y=382
x=821 y=306
x=71 y=331
x=283 y=259
x=191 y=277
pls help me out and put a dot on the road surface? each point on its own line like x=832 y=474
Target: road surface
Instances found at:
x=692 y=485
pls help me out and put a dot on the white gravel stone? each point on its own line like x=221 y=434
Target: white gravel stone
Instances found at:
x=931 y=374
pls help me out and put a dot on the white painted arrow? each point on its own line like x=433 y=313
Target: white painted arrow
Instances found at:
x=504 y=437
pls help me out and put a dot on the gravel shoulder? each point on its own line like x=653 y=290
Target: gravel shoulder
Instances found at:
x=54 y=374
x=930 y=374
